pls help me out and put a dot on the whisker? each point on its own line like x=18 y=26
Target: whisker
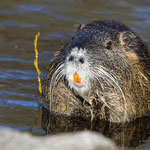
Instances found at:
x=95 y=75
x=59 y=74
x=58 y=77
x=54 y=80
x=111 y=79
x=100 y=83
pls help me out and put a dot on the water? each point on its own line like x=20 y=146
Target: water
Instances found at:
x=56 y=21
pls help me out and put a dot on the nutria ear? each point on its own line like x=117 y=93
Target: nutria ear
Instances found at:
x=81 y=26
x=130 y=41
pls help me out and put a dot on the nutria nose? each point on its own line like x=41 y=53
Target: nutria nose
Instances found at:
x=71 y=58
x=81 y=59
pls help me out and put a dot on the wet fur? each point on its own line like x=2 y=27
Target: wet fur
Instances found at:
x=118 y=79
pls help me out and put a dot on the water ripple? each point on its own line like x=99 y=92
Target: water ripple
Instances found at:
x=22 y=103
x=17 y=74
x=30 y=8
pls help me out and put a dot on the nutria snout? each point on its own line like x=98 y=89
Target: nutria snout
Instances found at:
x=105 y=65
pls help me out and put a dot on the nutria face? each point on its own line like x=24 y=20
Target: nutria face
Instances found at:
x=92 y=62
x=77 y=70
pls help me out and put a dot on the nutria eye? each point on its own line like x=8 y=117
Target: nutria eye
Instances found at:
x=71 y=58
x=108 y=45
x=81 y=60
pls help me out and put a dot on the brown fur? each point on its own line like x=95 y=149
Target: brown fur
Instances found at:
x=131 y=68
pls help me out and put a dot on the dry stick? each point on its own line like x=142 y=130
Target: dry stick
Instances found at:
x=39 y=80
x=36 y=62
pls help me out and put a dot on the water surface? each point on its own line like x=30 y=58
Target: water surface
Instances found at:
x=56 y=21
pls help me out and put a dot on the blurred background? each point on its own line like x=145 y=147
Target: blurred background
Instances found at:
x=56 y=20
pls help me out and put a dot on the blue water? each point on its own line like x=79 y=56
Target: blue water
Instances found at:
x=56 y=21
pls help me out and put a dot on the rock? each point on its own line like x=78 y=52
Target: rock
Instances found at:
x=84 y=140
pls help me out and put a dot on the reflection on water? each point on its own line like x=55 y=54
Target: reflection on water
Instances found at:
x=56 y=21
x=131 y=134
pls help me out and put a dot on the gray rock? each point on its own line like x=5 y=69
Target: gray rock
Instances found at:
x=85 y=140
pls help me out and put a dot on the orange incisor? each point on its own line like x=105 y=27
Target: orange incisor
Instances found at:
x=77 y=78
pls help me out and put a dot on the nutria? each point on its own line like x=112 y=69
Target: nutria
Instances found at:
x=104 y=72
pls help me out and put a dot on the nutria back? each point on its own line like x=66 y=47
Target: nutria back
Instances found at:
x=103 y=72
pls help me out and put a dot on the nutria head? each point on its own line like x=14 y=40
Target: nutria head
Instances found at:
x=109 y=63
